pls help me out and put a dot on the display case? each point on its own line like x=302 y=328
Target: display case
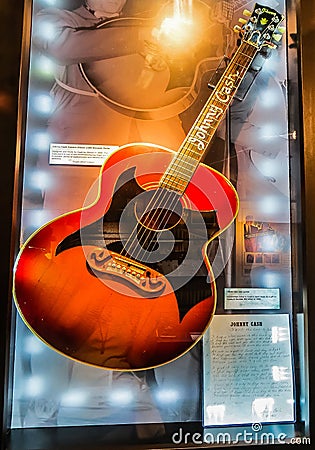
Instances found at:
x=161 y=280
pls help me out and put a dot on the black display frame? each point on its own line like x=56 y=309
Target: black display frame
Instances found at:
x=12 y=127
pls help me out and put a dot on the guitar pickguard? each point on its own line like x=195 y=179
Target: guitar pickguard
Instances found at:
x=190 y=287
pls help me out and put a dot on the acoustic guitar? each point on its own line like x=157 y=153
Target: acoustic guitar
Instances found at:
x=126 y=283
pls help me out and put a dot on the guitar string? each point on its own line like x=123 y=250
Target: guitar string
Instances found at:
x=157 y=218
x=151 y=233
x=178 y=159
x=140 y=236
x=182 y=156
x=188 y=148
x=244 y=46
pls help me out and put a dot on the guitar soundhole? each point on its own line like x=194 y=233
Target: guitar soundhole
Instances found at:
x=158 y=210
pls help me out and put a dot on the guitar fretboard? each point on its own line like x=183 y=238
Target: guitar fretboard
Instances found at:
x=186 y=160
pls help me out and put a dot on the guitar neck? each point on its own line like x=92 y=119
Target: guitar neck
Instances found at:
x=189 y=155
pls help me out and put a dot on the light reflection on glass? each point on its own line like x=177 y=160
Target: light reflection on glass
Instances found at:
x=40 y=141
x=167 y=395
x=271 y=279
x=34 y=386
x=269 y=243
x=269 y=99
x=216 y=413
x=262 y=408
x=39 y=217
x=279 y=334
x=73 y=398
x=47 y=30
x=269 y=168
x=51 y=2
x=42 y=103
x=40 y=179
x=269 y=131
x=280 y=373
x=269 y=204
x=44 y=66
x=121 y=397
x=33 y=345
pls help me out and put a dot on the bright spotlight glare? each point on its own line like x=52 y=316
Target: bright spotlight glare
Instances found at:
x=271 y=280
x=51 y=2
x=40 y=179
x=270 y=98
x=121 y=397
x=268 y=243
x=269 y=131
x=167 y=395
x=42 y=103
x=173 y=26
x=44 y=66
x=39 y=217
x=47 y=30
x=33 y=345
x=34 y=386
x=40 y=141
x=270 y=205
x=73 y=398
x=176 y=32
x=269 y=168
x=280 y=373
x=279 y=334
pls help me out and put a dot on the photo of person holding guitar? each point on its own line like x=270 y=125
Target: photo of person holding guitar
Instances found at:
x=96 y=31
x=99 y=52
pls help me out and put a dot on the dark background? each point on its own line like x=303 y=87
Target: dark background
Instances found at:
x=11 y=13
x=11 y=18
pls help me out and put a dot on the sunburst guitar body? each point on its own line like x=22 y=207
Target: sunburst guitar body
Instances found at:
x=86 y=299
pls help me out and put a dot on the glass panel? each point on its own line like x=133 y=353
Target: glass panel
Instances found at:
x=143 y=75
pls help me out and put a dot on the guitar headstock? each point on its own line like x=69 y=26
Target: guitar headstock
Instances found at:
x=262 y=28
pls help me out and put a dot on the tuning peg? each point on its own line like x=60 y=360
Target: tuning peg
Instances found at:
x=237 y=29
x=281 y=29
x=247 y=13
x=243 y=21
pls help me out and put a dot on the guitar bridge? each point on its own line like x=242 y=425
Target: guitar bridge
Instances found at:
x=107 y=264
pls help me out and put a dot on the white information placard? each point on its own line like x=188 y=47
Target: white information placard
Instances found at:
x=248 y=370
x=252 y=298
x=79 y=155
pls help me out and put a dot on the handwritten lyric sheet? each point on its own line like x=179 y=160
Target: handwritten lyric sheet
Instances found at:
x=248 y=370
